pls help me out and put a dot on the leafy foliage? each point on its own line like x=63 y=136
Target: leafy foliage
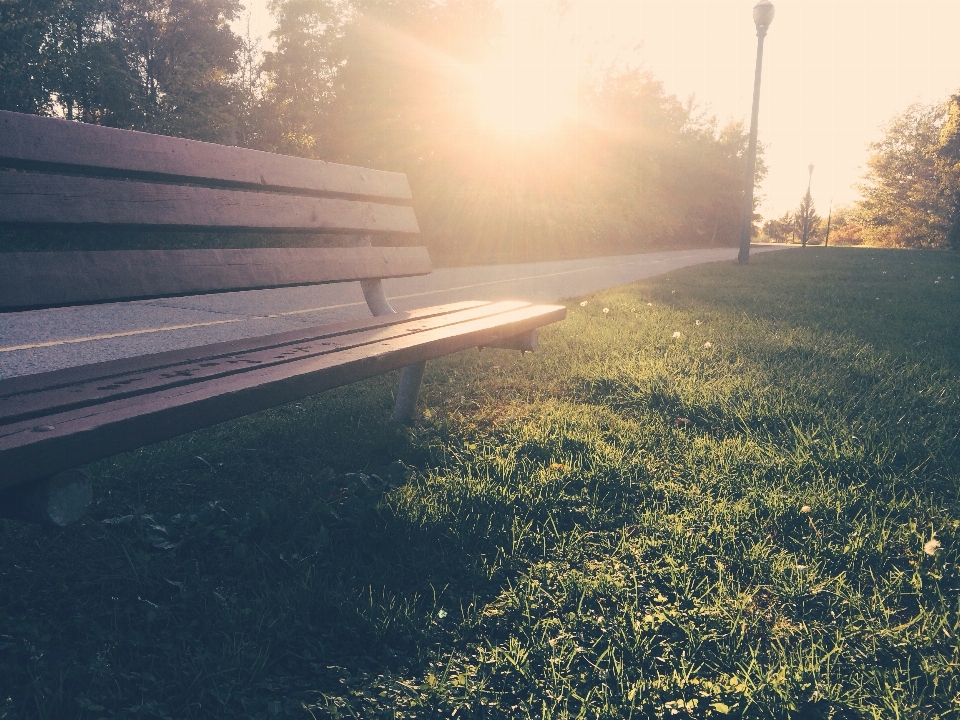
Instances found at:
x=391 y=84
x=910 y=198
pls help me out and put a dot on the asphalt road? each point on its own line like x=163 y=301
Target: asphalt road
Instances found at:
x=42 y=340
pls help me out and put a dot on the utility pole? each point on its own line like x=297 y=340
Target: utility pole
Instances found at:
x=829 y=218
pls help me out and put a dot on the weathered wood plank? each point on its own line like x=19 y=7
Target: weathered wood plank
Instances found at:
x=63 y=392
x=30 y=197
x=51 y=279
x=105 y=369
x=29 y=451
x=29 y=139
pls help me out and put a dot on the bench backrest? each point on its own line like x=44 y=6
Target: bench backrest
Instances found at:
x=60 y=172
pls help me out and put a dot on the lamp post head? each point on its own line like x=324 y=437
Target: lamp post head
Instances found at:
x=763 y=13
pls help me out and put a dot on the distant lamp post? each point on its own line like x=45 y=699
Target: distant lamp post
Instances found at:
x=829 y=218
x=763 y=13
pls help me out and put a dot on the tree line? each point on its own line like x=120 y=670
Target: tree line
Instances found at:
x=911 y=193
x=910 y=196
x=385 y=84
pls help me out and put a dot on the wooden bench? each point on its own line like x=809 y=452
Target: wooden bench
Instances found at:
x=60 y=173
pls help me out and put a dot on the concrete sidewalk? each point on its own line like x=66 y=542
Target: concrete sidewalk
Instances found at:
x=43 y=340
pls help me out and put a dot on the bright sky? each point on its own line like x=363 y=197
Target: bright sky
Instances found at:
x=834 y=71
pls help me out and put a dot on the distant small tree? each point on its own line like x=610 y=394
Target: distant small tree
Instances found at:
x=846 y=228
x=778 y=229
x=806 y=220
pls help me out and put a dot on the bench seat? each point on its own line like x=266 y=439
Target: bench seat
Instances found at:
x=50 y=422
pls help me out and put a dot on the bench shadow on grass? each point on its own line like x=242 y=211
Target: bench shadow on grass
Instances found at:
x=247 y=567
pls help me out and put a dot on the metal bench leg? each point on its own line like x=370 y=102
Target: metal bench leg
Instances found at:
x=410 y=376
x=55 y=502
x=406 y=405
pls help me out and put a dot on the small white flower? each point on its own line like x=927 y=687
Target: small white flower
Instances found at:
x=677 y=334
x=583 y=304
x=708 y=344
x=649 y=304
x=698 y=322
x=633 y=309
x=672 y=292
x=606 y=310
x=806 y=510
x=931 y=546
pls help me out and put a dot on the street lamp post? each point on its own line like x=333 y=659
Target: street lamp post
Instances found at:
x=763 y=13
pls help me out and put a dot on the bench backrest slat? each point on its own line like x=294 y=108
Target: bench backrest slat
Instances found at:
x=29 y=141
x=52 y=279
x=29 y=197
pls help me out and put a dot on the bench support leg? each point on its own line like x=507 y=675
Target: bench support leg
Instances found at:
x=55 y=502
x=406 y=405
x=410 y=376
x=376 y=298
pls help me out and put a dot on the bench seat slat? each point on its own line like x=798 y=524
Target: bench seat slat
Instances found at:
x=29 y=197
x=51 y=279
x=108 y=369
x=63 y=393
x=26 y=140
x=28 y=450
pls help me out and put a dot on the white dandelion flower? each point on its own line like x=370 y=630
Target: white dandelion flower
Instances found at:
x=583 y=304
x=677 y=334
x=708 y=344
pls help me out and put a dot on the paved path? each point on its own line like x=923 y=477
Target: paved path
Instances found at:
x=49 y=339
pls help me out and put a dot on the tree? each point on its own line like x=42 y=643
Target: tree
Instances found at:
x=910 y=196
x=779 y=229
x=164 y=66
x=184 y=56
x=293 y=114
x=93 y=80
x=806 y=220
x=948 y=152
x=25 y=72
x=845 y=230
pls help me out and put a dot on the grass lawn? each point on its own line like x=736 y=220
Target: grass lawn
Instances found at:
x=735 y=494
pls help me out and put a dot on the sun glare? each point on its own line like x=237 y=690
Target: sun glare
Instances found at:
x=529 y=87
x=525 y=98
